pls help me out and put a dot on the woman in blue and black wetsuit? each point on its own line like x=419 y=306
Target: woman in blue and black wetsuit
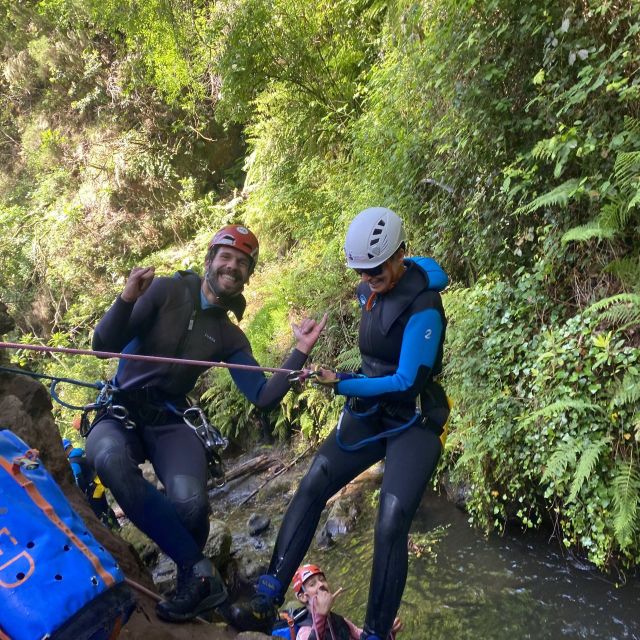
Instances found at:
x=395 y=410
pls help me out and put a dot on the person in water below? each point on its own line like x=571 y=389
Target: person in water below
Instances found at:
x=320 y=622
x=184 y=316
x=394 y=410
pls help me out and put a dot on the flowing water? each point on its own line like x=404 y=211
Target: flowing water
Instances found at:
x=462 y=585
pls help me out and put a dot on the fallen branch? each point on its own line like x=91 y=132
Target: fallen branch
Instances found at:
x=255 y=464
x=275 y=475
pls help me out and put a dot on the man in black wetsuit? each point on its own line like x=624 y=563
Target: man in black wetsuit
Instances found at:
x=394 y=409
x=184 y=316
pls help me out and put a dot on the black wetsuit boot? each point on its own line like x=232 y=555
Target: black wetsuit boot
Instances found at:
x=200 y=590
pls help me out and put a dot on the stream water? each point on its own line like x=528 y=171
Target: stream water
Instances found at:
x=501 y=588
x=462 y=585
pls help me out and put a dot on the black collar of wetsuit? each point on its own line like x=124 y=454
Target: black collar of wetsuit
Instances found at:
x=236 y=304
x=391 y=305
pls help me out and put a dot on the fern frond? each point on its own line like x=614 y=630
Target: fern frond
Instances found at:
x=623 y=308
x=632 y=125
x=628 y=392
x=559 y=196
x=563 y=457
x=626 y=169
x=620 y=298
x=635 y=201
x=560 y=406
x=584 y=232
x=586 y=465
x=543 y=150
x=615 y=215
x=624 y=315
x=626 y=501
x=627 y=269
x=349 y=360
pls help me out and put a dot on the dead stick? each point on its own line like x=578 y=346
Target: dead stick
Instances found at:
x=275 y=475
x=154 y=596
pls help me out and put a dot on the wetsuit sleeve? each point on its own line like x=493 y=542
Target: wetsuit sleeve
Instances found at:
x=420 y=343
x=264 y=392
x=125 y=320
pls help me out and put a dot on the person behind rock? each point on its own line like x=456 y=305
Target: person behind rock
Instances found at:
x=321 y=623
x=184 y=316
x=90 y=484
x=394 y=410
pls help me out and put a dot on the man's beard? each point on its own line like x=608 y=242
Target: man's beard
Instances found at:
x=222 y=295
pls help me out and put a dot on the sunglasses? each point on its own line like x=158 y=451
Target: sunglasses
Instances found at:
x=373 y=272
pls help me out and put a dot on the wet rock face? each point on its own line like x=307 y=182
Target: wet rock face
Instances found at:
x=458 y=493
x=341 y=519
x=218 y=545
x=257 y=524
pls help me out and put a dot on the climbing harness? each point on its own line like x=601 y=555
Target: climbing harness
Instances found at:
x=388 y=433
x=441 y=432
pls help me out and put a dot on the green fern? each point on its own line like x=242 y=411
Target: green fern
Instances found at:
x=559 y=196
x=627 y=269
x=559 y=407
x=626 y=168
x=628 y=392
x=635 y=201
x=562 y=458
x=584 y=232
x=587 y=463
x=349 y=360
x=632 y=125
x=622 y=309
x=626 y=498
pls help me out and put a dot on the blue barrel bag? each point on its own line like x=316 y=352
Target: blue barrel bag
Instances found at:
x=56 y=581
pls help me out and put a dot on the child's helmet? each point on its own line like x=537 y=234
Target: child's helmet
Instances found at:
x=303 y=574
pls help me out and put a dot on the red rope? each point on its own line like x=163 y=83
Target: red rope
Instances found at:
x=143 y=358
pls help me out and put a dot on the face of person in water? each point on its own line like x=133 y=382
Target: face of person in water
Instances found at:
x=312 y=586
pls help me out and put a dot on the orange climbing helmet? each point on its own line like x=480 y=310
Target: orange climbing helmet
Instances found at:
x=303 y=574
x=238 y=237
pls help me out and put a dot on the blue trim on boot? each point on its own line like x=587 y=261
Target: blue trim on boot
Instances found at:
x=269 y=586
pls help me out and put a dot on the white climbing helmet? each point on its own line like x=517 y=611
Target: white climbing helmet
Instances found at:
x=374 y=235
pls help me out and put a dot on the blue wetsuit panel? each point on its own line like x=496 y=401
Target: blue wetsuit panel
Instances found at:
x=420 y=343
x=250 y=383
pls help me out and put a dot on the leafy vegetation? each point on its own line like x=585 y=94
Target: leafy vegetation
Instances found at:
x=506 y=134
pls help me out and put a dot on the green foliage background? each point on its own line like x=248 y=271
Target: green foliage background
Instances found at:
x=506 y=134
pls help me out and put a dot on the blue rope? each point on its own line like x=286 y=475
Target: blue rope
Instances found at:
x=379 y=436
x=54 y=383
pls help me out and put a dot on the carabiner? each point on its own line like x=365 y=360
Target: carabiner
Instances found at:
x=209 y=434
x=121 y=413
x=302 y=375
